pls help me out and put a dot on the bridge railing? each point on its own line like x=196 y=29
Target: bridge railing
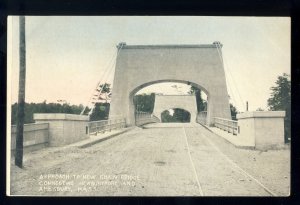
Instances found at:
x=201 y=117
x=106 y=125
x=230 y=126
x=142 y=118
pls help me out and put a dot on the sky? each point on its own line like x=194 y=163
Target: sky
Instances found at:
x=67 y=56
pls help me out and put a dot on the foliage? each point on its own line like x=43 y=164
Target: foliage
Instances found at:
x=201 y=104
x=166 y=117
x=281 y=100
x=144 y=102
x=105 y=88
x=233 y=111
x=31 y=108
x=100 y=112
x=182 y=115
x=106 y=92
x=179 y=115
x=105 y=95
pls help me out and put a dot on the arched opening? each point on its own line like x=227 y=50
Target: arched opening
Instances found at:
x=176 y=115
x=143 y=97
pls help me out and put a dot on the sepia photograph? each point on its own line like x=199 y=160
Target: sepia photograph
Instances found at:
x=148 y=106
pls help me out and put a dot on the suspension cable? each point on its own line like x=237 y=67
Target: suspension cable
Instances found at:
x=106 y=77
x=106 y=73
x=107 y=66
x=227 y=68
x=226 y=79
x=101 y=88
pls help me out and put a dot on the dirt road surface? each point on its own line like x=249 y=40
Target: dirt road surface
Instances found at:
x=161 y=160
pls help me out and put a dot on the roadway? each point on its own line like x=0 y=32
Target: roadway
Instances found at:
x=160 y=160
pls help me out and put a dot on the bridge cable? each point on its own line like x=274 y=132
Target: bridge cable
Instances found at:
x=97 y=92
x=106 y=78
x=100 y=91
x=233 y=80
x=98 y=84
x=227 y=68
x=227 y=81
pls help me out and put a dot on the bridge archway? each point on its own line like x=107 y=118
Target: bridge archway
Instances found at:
x=166 y=116
x=185 y=102
x=138 y=66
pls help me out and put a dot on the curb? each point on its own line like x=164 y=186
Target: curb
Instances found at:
x=226 y=140
x=88 y=144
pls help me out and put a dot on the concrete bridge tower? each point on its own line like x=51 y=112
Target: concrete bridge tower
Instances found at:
x=138 y=66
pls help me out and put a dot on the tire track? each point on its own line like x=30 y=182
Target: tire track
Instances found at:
x=235 y=166
x=192 y=163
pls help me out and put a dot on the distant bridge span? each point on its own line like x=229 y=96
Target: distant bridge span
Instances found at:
x=166 y=102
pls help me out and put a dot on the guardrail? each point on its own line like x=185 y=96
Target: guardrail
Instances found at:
x=230 y=126
x=142 y=118
x=106 y=125
x=201 y=117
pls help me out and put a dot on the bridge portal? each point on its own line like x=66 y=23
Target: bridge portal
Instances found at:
x=138 y=66
x=166 y=102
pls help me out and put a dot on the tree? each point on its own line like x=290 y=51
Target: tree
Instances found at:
x=201 y=105
x=233 y=111
x=144 y=102
x=102 y=93
x=105 y=92
x=166 y=116
x=179 y=115
x=281 y=100
x=100 y=112
x=44 y=107
x=105 y=88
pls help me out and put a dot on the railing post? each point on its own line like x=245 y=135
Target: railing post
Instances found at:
x=228 y=128
x=231 y=126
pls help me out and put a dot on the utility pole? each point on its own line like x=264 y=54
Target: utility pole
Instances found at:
x=21 y=97
x=247 y=106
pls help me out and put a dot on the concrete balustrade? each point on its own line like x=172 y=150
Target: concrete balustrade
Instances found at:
x=103 y=126
x=35 y=136
x=142 y=118
x=260 y=129
x=230 y=126
x=64 y=129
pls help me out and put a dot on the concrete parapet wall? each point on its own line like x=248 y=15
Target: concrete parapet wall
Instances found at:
x=264 y=129
x=35 y=136
x=64 y=129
